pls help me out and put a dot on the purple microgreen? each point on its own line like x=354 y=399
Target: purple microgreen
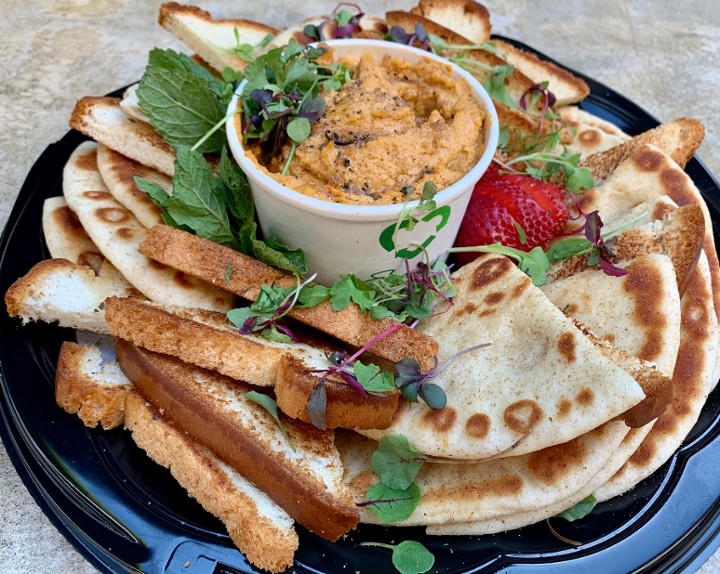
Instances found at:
x=345 y=18
x=354 y=373
x=412 y=381
x=269 y=404
x=602 y=253
x=418 y=38
x=533 y=94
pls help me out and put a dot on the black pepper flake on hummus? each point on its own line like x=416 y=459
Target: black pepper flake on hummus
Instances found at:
x=393 y=125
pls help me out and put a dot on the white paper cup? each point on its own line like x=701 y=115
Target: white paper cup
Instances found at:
x=339 y=239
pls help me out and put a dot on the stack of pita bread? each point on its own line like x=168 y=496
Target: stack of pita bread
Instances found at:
x=586 y=386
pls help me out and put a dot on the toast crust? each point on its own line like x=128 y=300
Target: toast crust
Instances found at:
x=267 y=543
x=208 y=260
x=346 y=407
x=173 y=388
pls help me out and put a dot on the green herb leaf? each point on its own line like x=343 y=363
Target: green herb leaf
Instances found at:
x=372 y=379
x=298 y=129
x=313 y=295
x=534 y=263
x=433 y=395
x=580 y=510
x=396 y=462
x=350 y=289
x=563 y=248
x=182 y=103
x=392 y=505
x=411 y=557
x=270 y=406
x=408 y=557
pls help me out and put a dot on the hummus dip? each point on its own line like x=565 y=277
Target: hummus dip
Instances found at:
x=394 y=125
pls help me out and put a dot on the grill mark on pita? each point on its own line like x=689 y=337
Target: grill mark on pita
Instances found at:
x=644 y=454
x=590 y=137
x=126 y=170
x=489 y=272
x=648 y=310
x=566 y=347
x=494 y=298
x=478 y=425
x=66 y=219
x=113 y=214
x=585 y=397
x=520 y=288
x=183 y=280
x=467 y=309
x=564 y=408
x=522 y=416
x=553 y=464
x=441 y=420
x=506 y=486
x=647 y=160
x=100 y=195
x=125 y=233
x=87 y=161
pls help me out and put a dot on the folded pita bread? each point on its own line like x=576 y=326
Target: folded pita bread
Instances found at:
x=117 y=233
x=460 y=493
x=693 y=379
x=592 y=134
x=638 y=312
x=541 y=382
x=617 y=458
x=119 y=172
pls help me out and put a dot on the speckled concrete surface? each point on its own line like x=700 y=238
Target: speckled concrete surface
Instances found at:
x=661 y=54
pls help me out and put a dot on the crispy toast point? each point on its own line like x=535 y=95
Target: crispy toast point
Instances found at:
x=214 y=410
x=209 y=261
x=259 y=528
x=464 y=17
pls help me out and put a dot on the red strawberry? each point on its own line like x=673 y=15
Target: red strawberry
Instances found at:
x=500 y=201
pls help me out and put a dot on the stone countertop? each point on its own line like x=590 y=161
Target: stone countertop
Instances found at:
x=660 y=54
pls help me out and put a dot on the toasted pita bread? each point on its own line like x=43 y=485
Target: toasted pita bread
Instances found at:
x=103 y=120
x=541 y=382
x=453 y=493
x=119 y=172
x=117 y=233
x=591 y=134
x=467 y=18
x=679 y=139
x=644 y=175
x=214 y=40
x=693 y=379
x=524 y=518
x=638 y=312
x=131 y=105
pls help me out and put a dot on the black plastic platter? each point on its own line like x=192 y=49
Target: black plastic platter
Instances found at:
x=126 y=514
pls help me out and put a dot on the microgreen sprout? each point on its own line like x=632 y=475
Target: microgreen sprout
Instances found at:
x=246 y=51
x=362 y=378
x=408 y=557
x=265 y=313
x=562 y=168
x=346 y=19
x=281 y=97
x=418 y=38
x=269 y=404
x=414 y=384
x=532 y=97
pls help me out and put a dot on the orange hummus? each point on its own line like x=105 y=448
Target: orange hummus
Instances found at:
x=393 y=125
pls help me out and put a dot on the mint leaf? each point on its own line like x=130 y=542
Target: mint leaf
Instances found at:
x=580 y=510
x=195 y=201
x=396 y=462
x=181 y=105
x=392 y=505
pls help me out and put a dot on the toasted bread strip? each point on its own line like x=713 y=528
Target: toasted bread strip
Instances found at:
x=464 y=17
x=346 y=407
x=102 y=119
x=214 y=410
x=208 y=260
x=213 y=40
x=89 y=386
x=565 y=86
x=206 y=339
x=57 y=290
x=259 y=528
x=679 y=139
